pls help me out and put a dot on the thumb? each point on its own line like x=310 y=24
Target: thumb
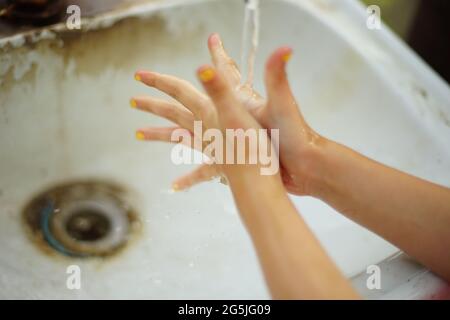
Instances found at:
x=232 y=115
x=279 y=95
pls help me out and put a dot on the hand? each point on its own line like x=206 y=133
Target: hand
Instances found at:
x=221 y=109
x=276 y=228
x=299 y=144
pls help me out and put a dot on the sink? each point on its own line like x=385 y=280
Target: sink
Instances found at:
x=64 y=117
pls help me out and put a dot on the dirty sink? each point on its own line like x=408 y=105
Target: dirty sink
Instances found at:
x=64 y=118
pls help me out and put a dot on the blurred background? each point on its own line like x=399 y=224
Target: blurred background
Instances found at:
x=423 y=24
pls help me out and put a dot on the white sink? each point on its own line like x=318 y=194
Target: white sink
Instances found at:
x=64 y=116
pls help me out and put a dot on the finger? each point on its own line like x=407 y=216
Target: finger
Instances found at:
x=175 y=135
x=220 y=92
x=279 y=93
x=156 y=134
x=181 y=90
x=201 y=174
x=169 y=110
x=222 y=61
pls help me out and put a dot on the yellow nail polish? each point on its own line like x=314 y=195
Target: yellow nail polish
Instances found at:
x=287 y=57
x=137 y=77
x=140 y=136
x=207 y=75
x=133 y=103
x=175 y=187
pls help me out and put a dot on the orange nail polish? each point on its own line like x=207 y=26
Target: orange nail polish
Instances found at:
x=137 y=77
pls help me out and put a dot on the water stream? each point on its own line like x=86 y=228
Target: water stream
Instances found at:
x=250 y=40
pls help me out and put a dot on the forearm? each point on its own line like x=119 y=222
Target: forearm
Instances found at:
x=294 y=263
x=409 y=212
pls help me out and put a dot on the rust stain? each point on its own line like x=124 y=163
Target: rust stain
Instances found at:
x=88 y=8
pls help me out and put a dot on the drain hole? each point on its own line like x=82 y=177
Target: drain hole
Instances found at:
x=81 y=219
x=88 y=225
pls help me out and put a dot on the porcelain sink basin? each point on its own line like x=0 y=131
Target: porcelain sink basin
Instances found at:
x=64 y=116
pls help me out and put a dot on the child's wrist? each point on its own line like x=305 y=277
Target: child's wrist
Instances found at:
x=329 y=163
x=250 y=176
x=315 y=167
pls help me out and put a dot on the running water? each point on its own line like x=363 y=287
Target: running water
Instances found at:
x=250 y=40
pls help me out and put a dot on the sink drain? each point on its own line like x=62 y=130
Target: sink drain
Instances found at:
x=81 y=219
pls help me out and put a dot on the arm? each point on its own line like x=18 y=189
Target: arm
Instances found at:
x=411 y=213
x=294 y=263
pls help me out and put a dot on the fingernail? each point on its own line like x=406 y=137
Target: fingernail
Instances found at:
x=133 y=103
x=140 y=136
x=286 y=57
x=207 y=75
x=175 y=187
x=215 y=39
x=137 y=77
